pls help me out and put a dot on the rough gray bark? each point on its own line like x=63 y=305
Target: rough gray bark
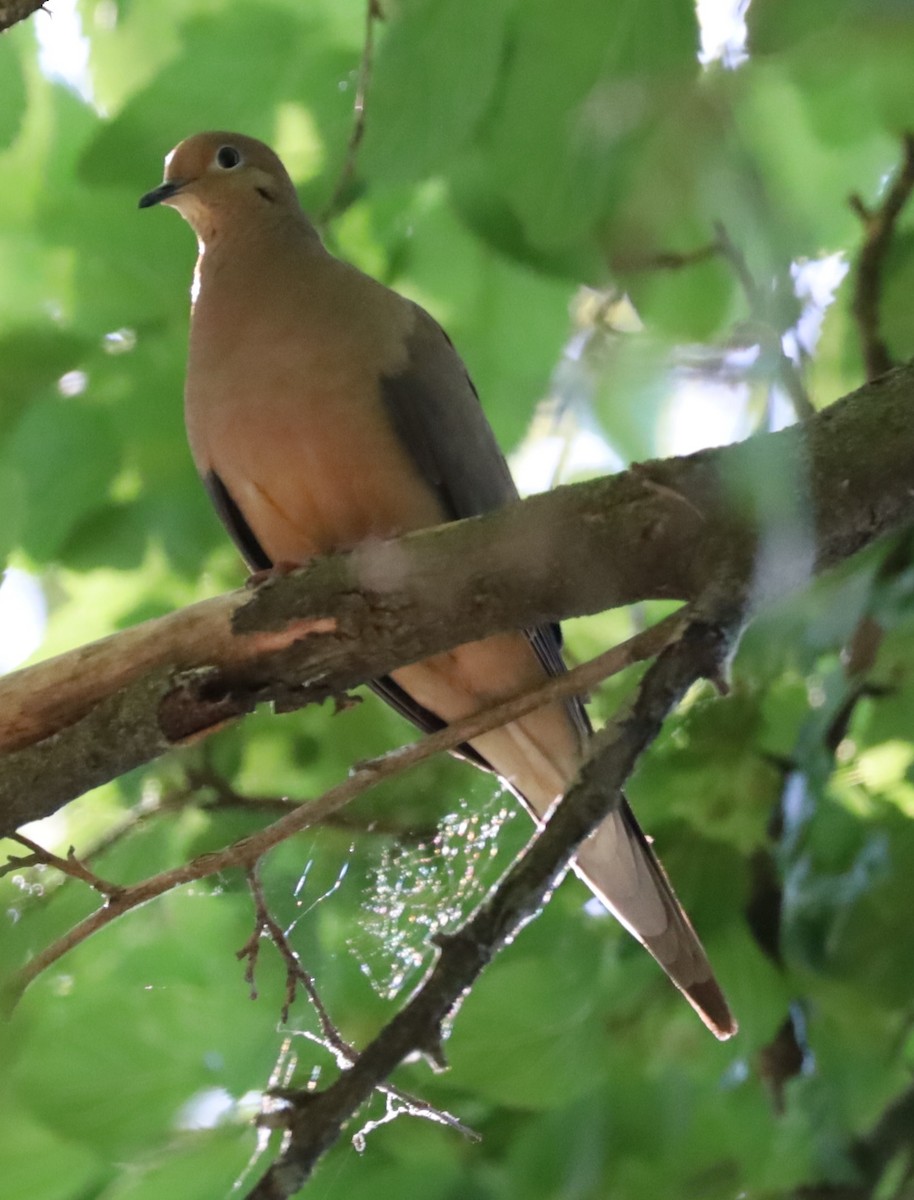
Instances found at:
x=757 y=518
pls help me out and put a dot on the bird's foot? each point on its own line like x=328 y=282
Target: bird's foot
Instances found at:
x=277 y=571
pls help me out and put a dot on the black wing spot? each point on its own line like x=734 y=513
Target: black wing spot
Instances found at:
x=232 y=518
x=423 y=718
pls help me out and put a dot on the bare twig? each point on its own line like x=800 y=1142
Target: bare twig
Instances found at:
x=330 y=1038
x=247 y=851
x=336 y=203
x=178 y=800
x=226 y=797
x=296 y=975
x=71 y=866
x=878 y=229
x=316 y=1119
x=763 y=330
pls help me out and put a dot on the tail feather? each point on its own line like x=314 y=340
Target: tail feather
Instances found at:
x=620 y=867
x=538 y=756
x=617 y=862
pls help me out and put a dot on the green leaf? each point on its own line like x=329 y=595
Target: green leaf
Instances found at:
x=779 y=25
x=38 y=1162
x=12 y=508
x=434 y=77
x=72 y=456
x=527 y=1037
x=582 y=81
x=279 y=50
x=194 y=1166
x=354 y=1177
x=678 y=778
x=684 y=305
x=36 y=278
x=34 y=357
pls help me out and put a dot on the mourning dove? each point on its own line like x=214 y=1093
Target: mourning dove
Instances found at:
x=324 y=409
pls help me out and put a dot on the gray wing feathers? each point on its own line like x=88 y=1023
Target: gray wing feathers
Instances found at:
x=435 y=410
x=436 y=413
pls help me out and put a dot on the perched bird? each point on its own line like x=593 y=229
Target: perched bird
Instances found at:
x=324 y=409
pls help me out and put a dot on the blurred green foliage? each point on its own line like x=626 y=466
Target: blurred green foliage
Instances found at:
x=513 y=152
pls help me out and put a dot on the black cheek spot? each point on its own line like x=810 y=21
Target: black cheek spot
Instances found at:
x=267 y=195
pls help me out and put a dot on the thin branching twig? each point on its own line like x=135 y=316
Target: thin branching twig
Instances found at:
x=71 y=866
x=788 y=374
x=337 y=201
x=315 y=1119
x=879 y=225
x=757 y=300
x=330 y=1038
x=248 y=850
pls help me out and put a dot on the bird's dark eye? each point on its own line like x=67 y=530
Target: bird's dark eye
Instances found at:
x=228 y=157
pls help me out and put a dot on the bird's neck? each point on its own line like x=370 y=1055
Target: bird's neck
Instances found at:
x=238 y=250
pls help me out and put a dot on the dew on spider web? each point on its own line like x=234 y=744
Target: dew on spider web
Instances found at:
x=422 y=890
x=303 y=908
x=303 y=878
x=280 y=1077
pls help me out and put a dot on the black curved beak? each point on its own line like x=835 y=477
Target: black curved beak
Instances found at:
x=163 y=192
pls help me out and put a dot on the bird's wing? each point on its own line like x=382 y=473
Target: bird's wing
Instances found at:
x=435 y=411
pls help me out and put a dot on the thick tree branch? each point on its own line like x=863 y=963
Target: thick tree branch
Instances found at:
x=316 y=1119
x=769 y=512
x=248 y=851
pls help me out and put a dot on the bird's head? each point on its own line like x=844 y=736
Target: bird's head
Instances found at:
x=211 y=178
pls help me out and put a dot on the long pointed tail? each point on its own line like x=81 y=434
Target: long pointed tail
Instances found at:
x=620 y=867
x=538 y=756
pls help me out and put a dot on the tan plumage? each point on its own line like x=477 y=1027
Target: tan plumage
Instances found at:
x=323 y=409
